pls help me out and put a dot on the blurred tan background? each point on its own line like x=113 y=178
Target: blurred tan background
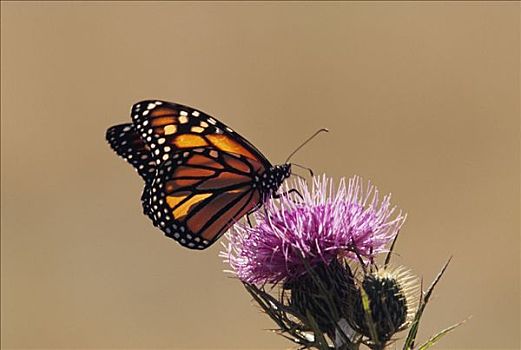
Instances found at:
x=421 y=98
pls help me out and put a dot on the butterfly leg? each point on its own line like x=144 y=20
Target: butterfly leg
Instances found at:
x=283 y=194
x=304 y=167
x=257 y=207
x=249 y=220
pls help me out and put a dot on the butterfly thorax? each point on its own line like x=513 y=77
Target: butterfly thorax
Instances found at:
x=269 y=182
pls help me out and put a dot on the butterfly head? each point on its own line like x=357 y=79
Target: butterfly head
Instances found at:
x=269 y=182
x=283 y=171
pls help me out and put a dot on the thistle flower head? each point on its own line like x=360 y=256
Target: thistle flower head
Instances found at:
x=293 y=234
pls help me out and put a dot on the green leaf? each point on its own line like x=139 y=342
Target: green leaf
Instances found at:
x=434 y=339
x=389 y=254
x=366 y=305
x=413 y=331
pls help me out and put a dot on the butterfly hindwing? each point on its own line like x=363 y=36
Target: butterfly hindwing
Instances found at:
x=200 y=193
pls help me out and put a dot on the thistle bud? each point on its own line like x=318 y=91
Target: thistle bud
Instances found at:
x=391 y=304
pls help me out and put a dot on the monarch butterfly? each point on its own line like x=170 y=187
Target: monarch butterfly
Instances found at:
x=200 y=176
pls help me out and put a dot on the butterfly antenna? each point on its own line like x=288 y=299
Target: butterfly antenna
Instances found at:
x=305 y=142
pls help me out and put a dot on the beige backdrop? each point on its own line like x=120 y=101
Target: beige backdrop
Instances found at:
x=421 y=98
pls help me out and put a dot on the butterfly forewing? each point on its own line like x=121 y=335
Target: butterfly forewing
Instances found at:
x=127 y=143
x=168 y=127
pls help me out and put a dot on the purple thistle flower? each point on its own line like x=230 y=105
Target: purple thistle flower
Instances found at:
x=294 y=234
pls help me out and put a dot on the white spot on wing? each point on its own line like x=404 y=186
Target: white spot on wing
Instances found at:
x=196 y=129
x=170 y=129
